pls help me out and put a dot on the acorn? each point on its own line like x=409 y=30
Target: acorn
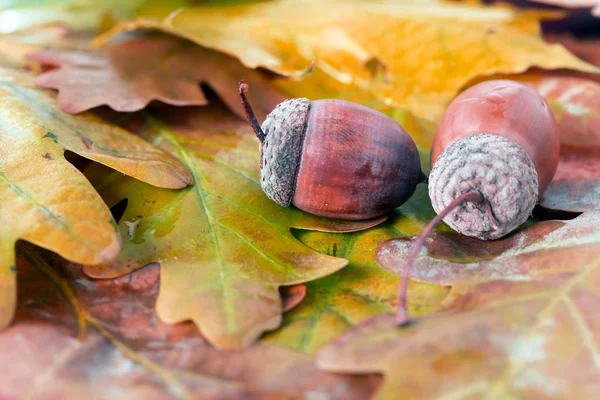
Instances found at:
x=498 y=138
x=335 y=158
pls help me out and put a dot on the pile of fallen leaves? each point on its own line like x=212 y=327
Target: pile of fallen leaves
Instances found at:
x=139 y=257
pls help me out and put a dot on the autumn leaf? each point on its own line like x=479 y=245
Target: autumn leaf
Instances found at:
x=74 y=337
x=421 y=66
x=45 y=200
x=520 y=321
x=15 y=46
x=81 y=15
x=584 y=48
x=360 y=290
x=500 y=339
x=223 y=246
x=593 y=4
x=129 y=74
x=537 y=250
x=576 y=105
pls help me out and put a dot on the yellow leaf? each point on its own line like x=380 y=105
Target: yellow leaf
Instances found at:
x=43 y=198
x=410 y=54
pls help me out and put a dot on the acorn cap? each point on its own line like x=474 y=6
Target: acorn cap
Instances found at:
x=281 y=149
x=281 y=144
x=496 y=167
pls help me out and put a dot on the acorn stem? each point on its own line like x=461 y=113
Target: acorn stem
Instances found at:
x=250 y=113
x=402 y=317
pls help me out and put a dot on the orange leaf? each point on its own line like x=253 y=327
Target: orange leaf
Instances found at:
x=411 y=54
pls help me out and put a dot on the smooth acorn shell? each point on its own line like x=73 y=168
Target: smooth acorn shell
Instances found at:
x=509 y=109
x=356 y=163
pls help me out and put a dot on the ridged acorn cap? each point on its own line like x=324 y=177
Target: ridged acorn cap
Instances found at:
x=281 y=149
x=496 y=167
x=281 y=141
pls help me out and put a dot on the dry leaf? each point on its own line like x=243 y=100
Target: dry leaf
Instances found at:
x=521 y=320
x=129 y=74
x=360 y=290
x=410 y=54
x=81 y=15
x=14 y=47
x=593 y=4
x=547 y=247
x=224 y=247
x=500 y=340
x=45 y=200
x=123 y=351
x=585 y=48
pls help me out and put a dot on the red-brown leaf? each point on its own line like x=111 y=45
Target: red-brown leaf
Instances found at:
x=131 y=73
x=129 y=353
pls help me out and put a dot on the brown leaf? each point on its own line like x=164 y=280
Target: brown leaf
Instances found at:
x=500 y=340
x=129 y=74
x=537 y=250
x=291 y=296
x=124 y=351
x=593 y=4
x=521 y=321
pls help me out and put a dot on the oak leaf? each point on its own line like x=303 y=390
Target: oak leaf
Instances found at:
x=500 y=339
x=44 y=199
x=223 y=246
x=521 y=320
x=359 y=291
x=75 y=337
x=362 y=289
x=129 y=74
x=15 y=46
x=411 y=54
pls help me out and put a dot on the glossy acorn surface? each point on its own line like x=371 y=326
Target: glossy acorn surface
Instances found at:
x=335 y=158
x=498 y=138
x=357 y=163
x=509 y=109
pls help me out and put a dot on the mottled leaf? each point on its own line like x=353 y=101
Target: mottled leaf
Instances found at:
x=572 y=195
x=74 y=338
x=576 y=106
x=360 y=290
x=547 y=247
x=499 y=340
x=223 y=246
x=44 y=199
x=411 y=54
x=129 y=74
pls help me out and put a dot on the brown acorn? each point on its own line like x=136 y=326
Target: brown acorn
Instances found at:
x=335 y=158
